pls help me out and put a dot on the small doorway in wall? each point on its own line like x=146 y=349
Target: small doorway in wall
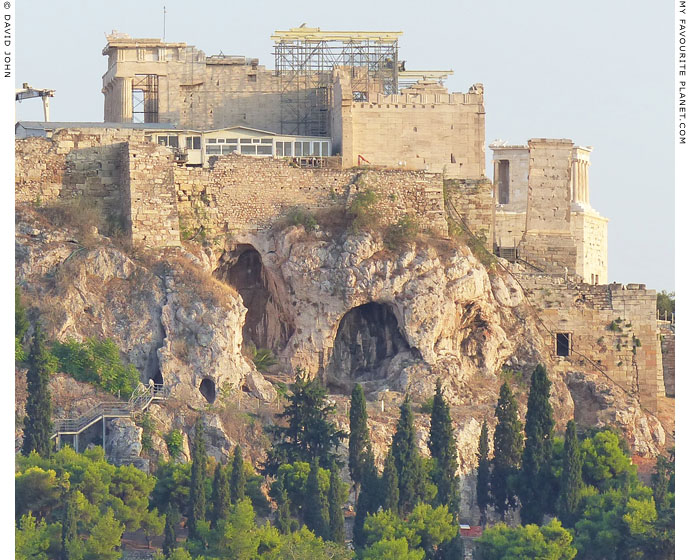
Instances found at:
x=503 y=181
x=563 y=346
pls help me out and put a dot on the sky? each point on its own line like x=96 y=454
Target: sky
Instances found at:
x=597 y=72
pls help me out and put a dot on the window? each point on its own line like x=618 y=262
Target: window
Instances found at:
x=193 y=142
x=503 y=181
x=245 y=140
x=264 y=150
x=563 y=344
x=279 y=149
x=298 y=148
x=228 y=149
x=210 y=140
x=221 y=140
x=212 y=150
x=170 y=141
x=267 y=140
x=248 y=150
x=316 y=149
x=324 y=149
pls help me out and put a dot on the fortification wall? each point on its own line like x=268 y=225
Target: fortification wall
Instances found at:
x=75 y=163
x=613 y=325
x=590 y=232
x=434 y=130
x=245 y=194
x=668 y=356
x=474 y=201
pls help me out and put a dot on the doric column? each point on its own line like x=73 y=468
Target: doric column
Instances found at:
x=496 y=180
x=586 y=193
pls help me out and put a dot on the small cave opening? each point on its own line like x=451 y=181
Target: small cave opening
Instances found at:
x=157 y=378
x=367 y=341
x=267 y=324
x=208 y=390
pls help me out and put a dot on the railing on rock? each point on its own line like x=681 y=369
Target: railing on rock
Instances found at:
x=141 y=399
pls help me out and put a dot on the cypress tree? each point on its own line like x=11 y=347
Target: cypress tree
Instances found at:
x=169 y=536
x=508 y=441
x=197 y=497
x=220 y=496
x=368 y=500
x=407 y=460
x=444 y=450
x=37 y=424
x=389 y=485
x=571 y=479
x=238 y=478
x=359 y=436
x=283 y=520
x=316 y=516
x=69 y=526
x=537 y=484
x=483 y=473
x=309 y=433
x=336 y=519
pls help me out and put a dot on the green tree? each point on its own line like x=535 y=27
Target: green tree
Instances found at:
x=283 y=520
x=220 y=496
x=316 y=516
x=507 y=451
x=238 y=536
x=238 y=477
x=571 y=479
x=537 y=484
x=444 y=452
x=368 y=500
x=389 y=485
x=69 y=526
x=408 y=461
x=336 y=519
x=37 y=424
x=197 y=493
x=483 y=473
x=666 y=304
x=103 y=541
x=169 y=533
x=359 y=436
x=309 y=434
x=21 y=325
x=31 y=539
x=550 y=542
x=392 y=549
x=606 y=464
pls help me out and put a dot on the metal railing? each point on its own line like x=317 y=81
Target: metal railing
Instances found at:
x=140 y=400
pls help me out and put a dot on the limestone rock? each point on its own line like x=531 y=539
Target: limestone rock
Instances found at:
x=123 y=443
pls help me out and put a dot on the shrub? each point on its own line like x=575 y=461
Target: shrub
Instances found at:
x=263 y=358
x=299 y=216
x=363 y=211
x=404 y=230
x=146 y=424
x=98 y=362
x=174 y=442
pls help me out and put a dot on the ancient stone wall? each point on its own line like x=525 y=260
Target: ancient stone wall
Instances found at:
x=612 y=325
x=193 y=90
x=474 y=201
x=548 y=242
x=668 y=356
x=152 y=217
x=425 y=128
x=590 y=232
x=74 y=163
x=240 y=194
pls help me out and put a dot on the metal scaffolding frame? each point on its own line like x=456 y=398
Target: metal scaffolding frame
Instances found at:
x=304 y=60
x=145 y=106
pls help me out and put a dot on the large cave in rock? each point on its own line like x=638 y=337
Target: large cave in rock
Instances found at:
x=368 y=340
x=267 y=324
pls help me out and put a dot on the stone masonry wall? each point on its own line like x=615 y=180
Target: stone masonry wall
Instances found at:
x=474 y=201
x=74 y=163
x=614 y=326
x=668 y=356
x=246 y=194
x=548 y=242
x=152 y=217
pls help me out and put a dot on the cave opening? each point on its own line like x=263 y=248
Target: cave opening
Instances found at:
x=267 y=323
x=208 y=390
x=366 y=343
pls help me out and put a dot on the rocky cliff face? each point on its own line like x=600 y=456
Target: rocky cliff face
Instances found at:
x=342 y=307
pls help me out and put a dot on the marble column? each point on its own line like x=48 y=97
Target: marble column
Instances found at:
x=586 y=193
x=576 y=180
x=496 y=180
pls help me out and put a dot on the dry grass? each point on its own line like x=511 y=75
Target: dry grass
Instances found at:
x=83 y=216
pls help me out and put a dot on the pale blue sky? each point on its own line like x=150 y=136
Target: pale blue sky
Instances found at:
x=596 y=71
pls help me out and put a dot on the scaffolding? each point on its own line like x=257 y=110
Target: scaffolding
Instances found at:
x=145 y=98
x=304 y=60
